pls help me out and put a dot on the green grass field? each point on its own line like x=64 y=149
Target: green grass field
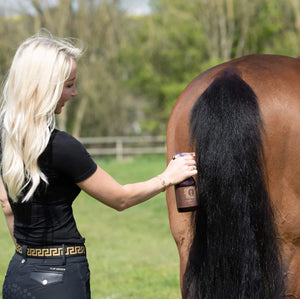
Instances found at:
x=131 y=254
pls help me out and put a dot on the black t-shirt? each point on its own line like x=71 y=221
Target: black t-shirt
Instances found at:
x=47 y=218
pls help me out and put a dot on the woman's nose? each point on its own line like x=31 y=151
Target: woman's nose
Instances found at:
x=74 y=93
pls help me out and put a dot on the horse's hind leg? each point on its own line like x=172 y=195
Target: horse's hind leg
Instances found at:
x=180 y=224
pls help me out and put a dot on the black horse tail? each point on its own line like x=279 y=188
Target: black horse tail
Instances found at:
x=234 y=253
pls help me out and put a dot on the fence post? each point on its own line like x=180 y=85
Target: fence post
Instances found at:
x=119 y=149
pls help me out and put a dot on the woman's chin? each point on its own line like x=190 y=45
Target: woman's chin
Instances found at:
x=57 y=111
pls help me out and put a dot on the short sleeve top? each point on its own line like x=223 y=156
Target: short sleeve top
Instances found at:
x=47 y=218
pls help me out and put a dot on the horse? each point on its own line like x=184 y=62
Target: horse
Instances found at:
x=242 y=120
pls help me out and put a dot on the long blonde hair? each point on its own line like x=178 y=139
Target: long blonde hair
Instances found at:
x=31 y=91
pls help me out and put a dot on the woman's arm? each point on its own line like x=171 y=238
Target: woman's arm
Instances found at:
x=9 y=216
x=120 y=197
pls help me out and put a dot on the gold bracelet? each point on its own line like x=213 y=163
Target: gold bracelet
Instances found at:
x=163 y=182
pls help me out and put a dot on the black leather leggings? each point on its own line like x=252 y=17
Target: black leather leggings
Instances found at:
x=47 y=278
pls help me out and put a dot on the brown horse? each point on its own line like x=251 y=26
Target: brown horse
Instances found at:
x=242 y=119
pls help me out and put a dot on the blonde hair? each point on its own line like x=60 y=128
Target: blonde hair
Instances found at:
x=32 y=89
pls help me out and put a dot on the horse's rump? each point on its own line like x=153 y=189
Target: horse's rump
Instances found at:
x=234 y=252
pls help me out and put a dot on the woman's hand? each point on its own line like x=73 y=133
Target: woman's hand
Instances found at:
x=181 y=167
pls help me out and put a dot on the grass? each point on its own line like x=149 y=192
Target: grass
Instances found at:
x=131 y=254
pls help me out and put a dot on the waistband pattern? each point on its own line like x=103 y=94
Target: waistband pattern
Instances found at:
x=52 y=251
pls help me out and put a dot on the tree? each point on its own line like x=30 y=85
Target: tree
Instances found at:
x=135 y=67
x=180 y=39
x=100 y=27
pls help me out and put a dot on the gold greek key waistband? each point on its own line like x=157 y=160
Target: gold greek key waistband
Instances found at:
x=52 y=251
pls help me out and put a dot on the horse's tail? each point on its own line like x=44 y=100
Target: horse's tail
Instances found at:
x=234 y=253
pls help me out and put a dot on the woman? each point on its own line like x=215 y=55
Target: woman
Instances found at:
x=43 y=171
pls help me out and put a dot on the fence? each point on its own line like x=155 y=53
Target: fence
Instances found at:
x=121 y=146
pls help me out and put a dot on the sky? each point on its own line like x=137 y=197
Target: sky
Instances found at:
x=134 y=7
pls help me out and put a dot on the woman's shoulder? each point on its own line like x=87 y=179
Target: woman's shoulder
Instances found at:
x=70 y=156
x=58 y=134
x=61 y=137
x=64 y=144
